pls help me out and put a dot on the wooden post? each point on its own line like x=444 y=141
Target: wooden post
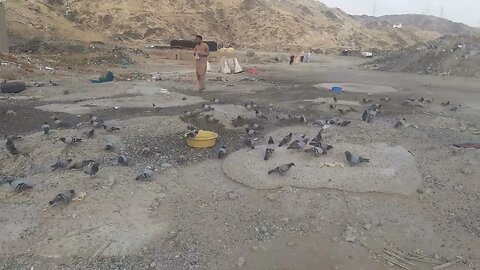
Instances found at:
x=3 y=29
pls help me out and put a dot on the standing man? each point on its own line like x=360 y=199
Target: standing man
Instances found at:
x=201 y=58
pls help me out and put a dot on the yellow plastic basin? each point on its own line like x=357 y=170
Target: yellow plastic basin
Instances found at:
x=204 y=139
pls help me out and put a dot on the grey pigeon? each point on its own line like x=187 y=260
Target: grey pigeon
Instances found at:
x=45 y=128
x=316 y=151
x=319 y=122
x=19 y=184
x=365 y=115
x=260 y=114
x=286 y=140
x=250 y=132
x=89 y=133
x=110 y=128
x=344 y=123
x=256 y=126
x=298 y=144
x=57 y=122
x=402 y=122
x=354 y=159
x=146 y=174
x=270 y=140
x=216 y=100
x=63 y=197
x=282 y=169
x=250 y=143
x=222 y=152
x=319 y=137
x=367 y=100
x=10 y=146
x=123 y=160
x=191 y=134
x=386 y=99
x=323 y=145
x=93 y=118
x=268 y=153
x=109 y=146
x=52 y=83
x=70 y=140
x=207 y=107
x=445 y=104
x=61 y=164
x=301 y=118
x=13 y=137
x=91 y=169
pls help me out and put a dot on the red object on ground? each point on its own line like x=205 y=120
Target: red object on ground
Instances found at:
x=252 y=70
x=468 y=145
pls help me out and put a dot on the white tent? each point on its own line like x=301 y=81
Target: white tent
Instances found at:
x=224 y=68
x=238 y=68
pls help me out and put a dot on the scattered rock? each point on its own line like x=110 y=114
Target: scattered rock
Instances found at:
x=350 y=234
x=271 y=196
x=466 y=171
x=232 y=195
x=240 y=261
x=290 y=244
x=153 y=264
x=367 y=226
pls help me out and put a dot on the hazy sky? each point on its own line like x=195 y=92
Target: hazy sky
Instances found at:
x=466 y=11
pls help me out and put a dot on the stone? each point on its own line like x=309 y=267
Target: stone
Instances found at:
x=367 y=226
x=232 y=195
x=350 y=234
x=240 y=261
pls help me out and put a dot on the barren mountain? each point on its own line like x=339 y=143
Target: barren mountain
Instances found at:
x=418 y=22
x=252 y=23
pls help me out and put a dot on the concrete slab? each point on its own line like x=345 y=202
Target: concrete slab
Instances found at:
x=391 y=170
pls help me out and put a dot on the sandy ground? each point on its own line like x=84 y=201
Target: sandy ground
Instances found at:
x=418 y=199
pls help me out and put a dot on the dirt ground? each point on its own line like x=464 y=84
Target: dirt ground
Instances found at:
x=414 y=206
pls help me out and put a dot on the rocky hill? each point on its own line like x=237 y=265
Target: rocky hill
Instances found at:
x=276 y=24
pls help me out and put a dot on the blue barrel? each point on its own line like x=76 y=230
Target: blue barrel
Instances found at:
x=337 y=89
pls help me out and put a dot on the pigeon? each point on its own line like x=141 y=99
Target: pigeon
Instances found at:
x=250 y=132
x=298 y=144
x=13 y=137
x=188 y=113
x=455 y=108
x=282 y=169
x=109 y=146
x=91 y=169
x=367 y=100
x=250 y=143
x=52 y=83
x=222 y=152
x=61 y=164
x=207 y=107
x=365 y=115
x=260 y=114
x=63 y=197
x=402 y=122
x=316 y=151
x=301 y=118
x=256 y=126
x=248 y=106
x=191 y=128
x=270 y=140
x=335 y=99
x=191 y=134
x=57 y=122
x=96 y=123
x=110 y=128
x=45 y=128
x=354 y=159
x=283 y=117
x=286 y=140
x=19 y=184
x=386 y=99
x=319 y=122
x=344 y=123
x=79 y=164
x=421 y=100
x=323 y=145
x=332 y=106
x=10 y=146
x=123 y=160
x=148 y=173
x=319 y=137
x=93 y=118
x=445 y=104
x=70 y=140
x=216 y=100
x=89 y=133
x=268 y=153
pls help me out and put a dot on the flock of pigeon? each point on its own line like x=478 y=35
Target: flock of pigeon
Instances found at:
x=90 y=167
x=315 y=146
